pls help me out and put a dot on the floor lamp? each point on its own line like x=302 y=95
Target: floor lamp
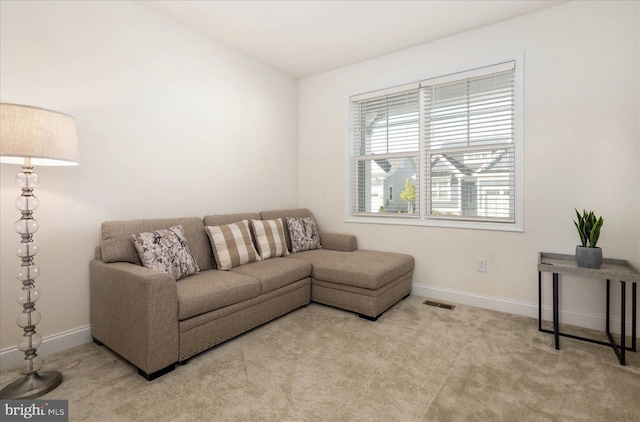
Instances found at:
x=32 y=136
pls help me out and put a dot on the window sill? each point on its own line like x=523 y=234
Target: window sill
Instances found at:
x=434 y=222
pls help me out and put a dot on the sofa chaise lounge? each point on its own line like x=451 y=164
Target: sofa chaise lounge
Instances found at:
x=154 y=321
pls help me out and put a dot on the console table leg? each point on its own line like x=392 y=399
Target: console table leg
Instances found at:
x=608 y=306
x=634 y=321
x=623 y=323
x=540 y=300
x=556 y=322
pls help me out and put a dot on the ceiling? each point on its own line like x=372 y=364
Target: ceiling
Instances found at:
x=304 y=37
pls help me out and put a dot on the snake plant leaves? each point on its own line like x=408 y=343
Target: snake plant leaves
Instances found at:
x=588 y=226
x=595 y=233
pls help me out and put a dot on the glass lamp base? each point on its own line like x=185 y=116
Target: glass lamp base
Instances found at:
x=31 y=386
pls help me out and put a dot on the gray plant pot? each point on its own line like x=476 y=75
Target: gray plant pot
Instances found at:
x=588 y=257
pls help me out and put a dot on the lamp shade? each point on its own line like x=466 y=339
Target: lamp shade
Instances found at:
x=47 y=137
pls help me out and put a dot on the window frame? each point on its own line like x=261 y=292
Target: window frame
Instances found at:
x=422 y=219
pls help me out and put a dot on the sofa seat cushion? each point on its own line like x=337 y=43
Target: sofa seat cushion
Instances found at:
x=315 y=256
x=213 y=289
x=275 y=272
x=361 y=268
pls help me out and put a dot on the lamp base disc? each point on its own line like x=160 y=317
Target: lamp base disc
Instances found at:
x=31 y=386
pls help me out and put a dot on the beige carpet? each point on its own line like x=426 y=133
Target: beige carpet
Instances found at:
x=416 y=363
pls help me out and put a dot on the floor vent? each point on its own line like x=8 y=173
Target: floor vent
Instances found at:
x=439 y=305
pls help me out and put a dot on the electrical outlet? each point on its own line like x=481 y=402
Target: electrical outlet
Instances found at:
x=482 y=265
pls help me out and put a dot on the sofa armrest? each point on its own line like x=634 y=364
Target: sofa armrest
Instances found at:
x=134 y=312
x=338 y=242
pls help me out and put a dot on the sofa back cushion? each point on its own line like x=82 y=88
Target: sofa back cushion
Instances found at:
x=222 y=219
x=284 y=214
x=117 y=245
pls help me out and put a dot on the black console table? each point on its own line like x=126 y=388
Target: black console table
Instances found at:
x=611 y=269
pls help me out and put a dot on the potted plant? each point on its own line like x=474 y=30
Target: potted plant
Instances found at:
x=588 y=255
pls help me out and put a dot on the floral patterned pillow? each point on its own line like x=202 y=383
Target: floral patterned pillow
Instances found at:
x=304 y=234
x=166 y=251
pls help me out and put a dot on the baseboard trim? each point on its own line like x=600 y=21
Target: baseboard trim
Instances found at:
x=11 y=357
x=579 y=319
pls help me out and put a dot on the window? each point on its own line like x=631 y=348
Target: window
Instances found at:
x=444 y=151
x=386 y=151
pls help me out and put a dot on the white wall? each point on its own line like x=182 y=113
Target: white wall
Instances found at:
x=582 y=149
x=169 y=124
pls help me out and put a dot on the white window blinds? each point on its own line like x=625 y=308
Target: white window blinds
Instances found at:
x=443 y=150
x=386 y=148
x=470 y=151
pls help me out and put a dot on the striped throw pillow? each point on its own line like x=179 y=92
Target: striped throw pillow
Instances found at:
x=232 y=245
x=270 y=238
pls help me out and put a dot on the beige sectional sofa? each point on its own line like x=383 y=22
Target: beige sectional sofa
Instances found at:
x=154 y=321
